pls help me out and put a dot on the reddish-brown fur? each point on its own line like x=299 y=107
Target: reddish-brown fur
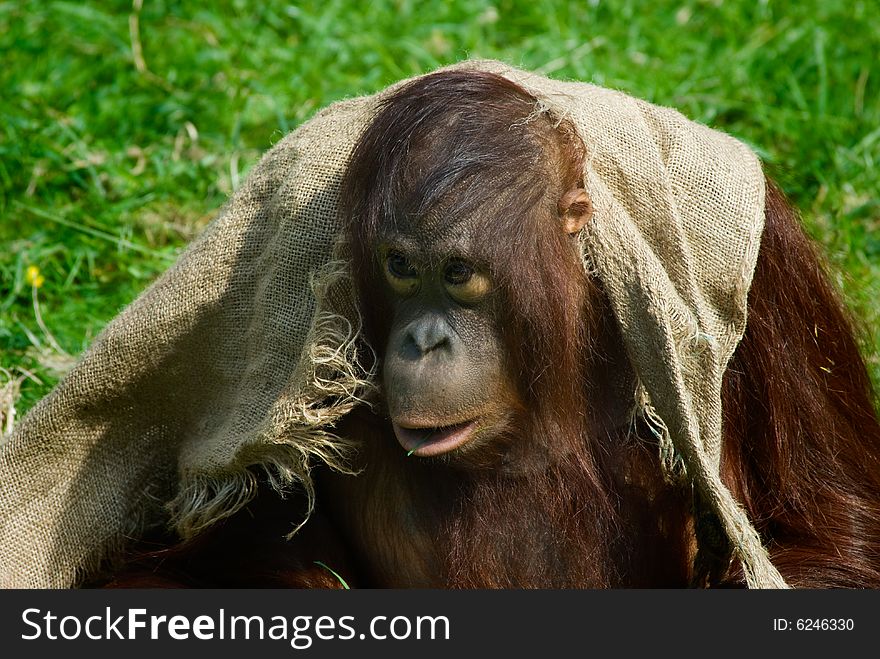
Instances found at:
x=802 y=442
x=586 y=505
x=248 y=550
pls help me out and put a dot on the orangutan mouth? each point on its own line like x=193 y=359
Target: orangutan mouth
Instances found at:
x=429 y=441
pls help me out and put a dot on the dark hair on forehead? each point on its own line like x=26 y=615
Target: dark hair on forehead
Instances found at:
x=472 y=133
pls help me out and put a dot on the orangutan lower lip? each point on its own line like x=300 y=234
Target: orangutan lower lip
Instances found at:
x=425 y=442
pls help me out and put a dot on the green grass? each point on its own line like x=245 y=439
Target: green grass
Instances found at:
x=110 y=163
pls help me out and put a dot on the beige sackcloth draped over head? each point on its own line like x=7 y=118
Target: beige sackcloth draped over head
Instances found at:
x=242 y=357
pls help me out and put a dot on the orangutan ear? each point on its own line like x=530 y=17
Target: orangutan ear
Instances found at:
x=575 y=210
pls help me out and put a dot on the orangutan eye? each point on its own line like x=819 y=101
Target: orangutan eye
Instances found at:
x=464 y=283
x=458 y=273
x=398 y=266
x=402 y=277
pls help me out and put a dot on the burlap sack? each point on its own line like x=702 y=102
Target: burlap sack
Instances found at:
x=241 y=356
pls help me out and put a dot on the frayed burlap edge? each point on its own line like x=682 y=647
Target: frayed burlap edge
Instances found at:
x=298 y=432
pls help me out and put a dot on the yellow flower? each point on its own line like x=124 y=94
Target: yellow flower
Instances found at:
x=33 y=277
